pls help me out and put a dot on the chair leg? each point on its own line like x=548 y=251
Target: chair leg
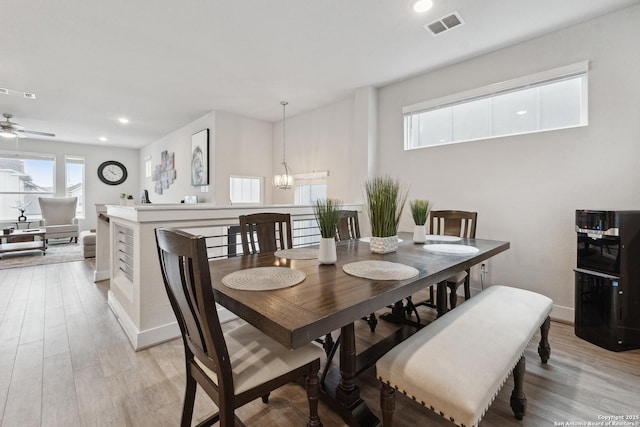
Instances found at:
x=189 y=400
x=467 y=288
x=387 y=404
x=453 y=295
x=313 y=393
x=544 y=349
x=518 y=401
x=372 y=321
x=265 y=398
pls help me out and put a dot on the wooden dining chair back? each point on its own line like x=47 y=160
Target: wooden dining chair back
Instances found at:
x=460 y=224
x=265 y=232
x=348 y=225
x=454 y=223
x=225 y=365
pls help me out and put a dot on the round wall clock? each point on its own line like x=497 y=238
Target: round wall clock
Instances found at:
x=112 y=172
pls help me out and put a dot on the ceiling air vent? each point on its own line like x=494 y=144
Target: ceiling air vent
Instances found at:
x=4 y=91
x=445 y=23
x=30 y=95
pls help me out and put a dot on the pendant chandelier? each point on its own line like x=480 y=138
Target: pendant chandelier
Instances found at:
x=283 y=181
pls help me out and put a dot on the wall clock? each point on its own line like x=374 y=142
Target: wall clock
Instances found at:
x=112 y=172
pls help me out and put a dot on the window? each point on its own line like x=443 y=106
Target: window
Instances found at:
x=24 y=178
x=308 y=188
x=245 y=189
x=147 y=167
x=74 y=168
x=555 y=99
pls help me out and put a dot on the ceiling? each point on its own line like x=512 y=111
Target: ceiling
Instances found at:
x=163 y=63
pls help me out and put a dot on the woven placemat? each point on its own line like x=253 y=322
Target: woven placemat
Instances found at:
x=297 y=253
x=380 y=270
x=263 y=278
x=443 y=238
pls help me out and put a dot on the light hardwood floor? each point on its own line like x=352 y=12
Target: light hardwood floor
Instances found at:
x=64 y=361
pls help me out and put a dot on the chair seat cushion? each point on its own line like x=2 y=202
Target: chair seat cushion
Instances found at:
x=256 y=358
x=67 y=228
x=457 y=364
x=457 y=278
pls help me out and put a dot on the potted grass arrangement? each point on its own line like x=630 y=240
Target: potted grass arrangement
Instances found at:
x=326 y=212
x=385 y=198
x=419 y=211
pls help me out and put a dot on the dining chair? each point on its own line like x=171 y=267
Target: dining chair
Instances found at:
x=265 y=232
x=453 y=223
x=234 y=367
x=348 y=225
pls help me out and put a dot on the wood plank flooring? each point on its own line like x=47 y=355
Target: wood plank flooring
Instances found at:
x=65 y=361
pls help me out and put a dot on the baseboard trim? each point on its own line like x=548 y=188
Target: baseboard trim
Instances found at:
x=100 y=275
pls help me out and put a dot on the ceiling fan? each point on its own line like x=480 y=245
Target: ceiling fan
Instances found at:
x=9 y=129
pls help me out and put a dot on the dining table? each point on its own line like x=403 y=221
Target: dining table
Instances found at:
x=329 y=299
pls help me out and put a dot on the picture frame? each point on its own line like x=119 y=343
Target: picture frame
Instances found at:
x=200 y=158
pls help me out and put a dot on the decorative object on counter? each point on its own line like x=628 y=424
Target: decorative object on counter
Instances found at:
x=165 y=173
x=385 y=198
x=419 y=211
x=327 y=216
x=200 y=158
x=130 y=201
x=283 y=181
x=22 y=207
x=144 y=197
x=191 y=200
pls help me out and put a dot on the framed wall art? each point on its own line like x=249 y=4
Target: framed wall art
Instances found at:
x=200 y=158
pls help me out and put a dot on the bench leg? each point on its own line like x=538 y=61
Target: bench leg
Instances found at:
x=387 y=404
x=544 y=349
x=518 y=399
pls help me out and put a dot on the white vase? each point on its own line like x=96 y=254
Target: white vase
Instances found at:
x=419 y=234
x=123 y=202
x=383 y=245
x=130 y=202
x=327 y=252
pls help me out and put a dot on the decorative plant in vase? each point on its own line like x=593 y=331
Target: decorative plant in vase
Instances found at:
x=385 y=198
x=419 y=211
x=327 y=215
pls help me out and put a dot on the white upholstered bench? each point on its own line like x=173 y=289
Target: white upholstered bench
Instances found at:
x=457 y=365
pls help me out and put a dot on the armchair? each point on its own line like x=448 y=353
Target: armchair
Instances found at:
x=59 y=217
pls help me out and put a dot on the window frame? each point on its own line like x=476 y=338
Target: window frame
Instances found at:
x=31 y=156
x=578 y=69
x=81 y=206
x=261 y=180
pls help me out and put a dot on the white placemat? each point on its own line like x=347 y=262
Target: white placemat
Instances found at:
x=368 y=239
x=380 y=270
x=297 y=253
x=443 y=238
x=452 y=249
x=263 y=278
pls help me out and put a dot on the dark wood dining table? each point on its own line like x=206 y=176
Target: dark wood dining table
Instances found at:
x=329 y=299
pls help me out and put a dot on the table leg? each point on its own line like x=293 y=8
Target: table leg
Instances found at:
x=441 y=298
x=347 y=391
x=345 y=398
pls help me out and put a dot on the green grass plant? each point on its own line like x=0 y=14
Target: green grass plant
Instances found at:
x=385 y=199
x=327 y=215
x=420 y=210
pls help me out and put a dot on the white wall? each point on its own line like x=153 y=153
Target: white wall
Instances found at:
x=237 y=146
x=96 y=192
x=334 y=138
x=526 y=188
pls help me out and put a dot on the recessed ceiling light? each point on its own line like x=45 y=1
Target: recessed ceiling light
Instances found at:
x=123 y=120
x=103 y=139
x=521 y=112
x=421 y=6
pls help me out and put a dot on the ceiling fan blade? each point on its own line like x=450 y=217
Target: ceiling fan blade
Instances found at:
x=33 y=132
